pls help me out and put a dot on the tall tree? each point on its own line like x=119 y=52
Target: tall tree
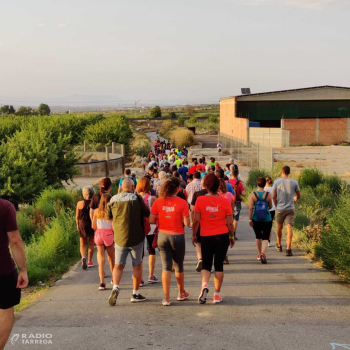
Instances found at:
x=156 y=112
x=44 y=109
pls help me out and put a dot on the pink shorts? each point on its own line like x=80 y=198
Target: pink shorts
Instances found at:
x=104 y=237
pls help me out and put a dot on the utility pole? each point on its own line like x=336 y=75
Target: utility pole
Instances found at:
x=136 y=102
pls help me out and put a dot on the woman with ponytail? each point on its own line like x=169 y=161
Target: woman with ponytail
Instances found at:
x=104 y=238
x=105 y=187
x=173 y=214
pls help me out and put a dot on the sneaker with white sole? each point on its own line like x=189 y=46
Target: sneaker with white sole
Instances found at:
x=153 y=279
x=259 y=258
x=166 y=303
x=185 y=295
x=90 y=264
x=102 y=286
x=202 y=299
x=112 y=300
x=142 y=283
x=217 y=299
x=136 y=298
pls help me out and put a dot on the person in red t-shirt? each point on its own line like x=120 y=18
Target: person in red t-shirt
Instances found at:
x=193 y=168
x=173 y=214
x=214 y=214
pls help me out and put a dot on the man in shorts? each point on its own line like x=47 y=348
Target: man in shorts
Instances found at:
x=11 y=282
x=285 y=192
x=127 y=210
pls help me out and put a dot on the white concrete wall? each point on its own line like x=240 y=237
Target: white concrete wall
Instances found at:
x=269 y=137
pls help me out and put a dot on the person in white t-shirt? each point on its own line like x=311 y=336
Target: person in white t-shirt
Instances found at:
x=268 y=188
x=219 y=147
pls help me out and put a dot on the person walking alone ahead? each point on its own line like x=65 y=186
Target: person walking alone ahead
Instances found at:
x=214 y=214
x=286 y=191
x=260 y=218
x=11 y=282
x=127 y=210
x=173 y=214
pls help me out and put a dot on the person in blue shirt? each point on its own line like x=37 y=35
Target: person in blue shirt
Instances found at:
x=183 y=170
x=127 y=176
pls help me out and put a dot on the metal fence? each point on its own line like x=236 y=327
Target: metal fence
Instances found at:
x=252 y=154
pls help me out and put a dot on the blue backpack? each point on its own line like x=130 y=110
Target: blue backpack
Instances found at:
x=261 y=207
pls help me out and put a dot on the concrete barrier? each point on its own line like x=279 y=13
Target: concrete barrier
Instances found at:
x=94 y=164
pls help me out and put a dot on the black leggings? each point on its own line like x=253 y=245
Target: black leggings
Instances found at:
x=262 y=229
x=214 y=247
x=151 y=251
x=172 y=251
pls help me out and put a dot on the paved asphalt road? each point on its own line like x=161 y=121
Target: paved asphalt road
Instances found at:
x=287 y=304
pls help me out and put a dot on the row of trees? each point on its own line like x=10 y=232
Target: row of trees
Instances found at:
x=43 y=109
x=156 y=112
x=38 y=152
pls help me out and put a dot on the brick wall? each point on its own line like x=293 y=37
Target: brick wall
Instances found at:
x=324 y=131
x=229 y=124
x=332 y=131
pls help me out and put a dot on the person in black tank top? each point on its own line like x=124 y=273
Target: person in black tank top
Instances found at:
x=84 y=227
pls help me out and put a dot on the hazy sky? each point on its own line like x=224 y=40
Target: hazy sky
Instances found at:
x=169 y=51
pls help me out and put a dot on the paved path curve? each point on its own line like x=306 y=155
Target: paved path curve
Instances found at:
x=287 y=304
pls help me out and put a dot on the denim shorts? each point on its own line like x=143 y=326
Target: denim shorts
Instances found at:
x=238 y=208
x=121 y=253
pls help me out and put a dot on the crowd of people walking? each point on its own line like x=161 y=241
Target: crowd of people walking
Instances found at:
x=171 y=195
x=154 y=210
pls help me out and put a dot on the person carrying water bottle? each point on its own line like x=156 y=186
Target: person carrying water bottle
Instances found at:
x=260 y=218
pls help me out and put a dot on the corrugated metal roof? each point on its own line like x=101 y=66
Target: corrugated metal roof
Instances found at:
x=283 y=91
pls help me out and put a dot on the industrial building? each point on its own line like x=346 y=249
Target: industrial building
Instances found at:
x=316 y=115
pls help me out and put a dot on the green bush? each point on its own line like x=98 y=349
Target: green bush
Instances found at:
x=60 y=197
x=213 y=119
x=182 y=137
x=334 y=247
x=113 y=129
x=156 y=112
x=334 y=182
x=172 y=115
x=301 y=221
x=166 y=127
x=53 y=252
x=181 y=121
x=310 y=177
x=26 y=226
x=253 y=176
x=192 y=120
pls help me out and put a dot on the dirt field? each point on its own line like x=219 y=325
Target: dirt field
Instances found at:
x=329 y=159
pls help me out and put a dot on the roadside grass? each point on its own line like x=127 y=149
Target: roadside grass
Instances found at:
x=51 y=240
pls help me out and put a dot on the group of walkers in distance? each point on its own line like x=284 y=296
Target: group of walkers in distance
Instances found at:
x=157 y=207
